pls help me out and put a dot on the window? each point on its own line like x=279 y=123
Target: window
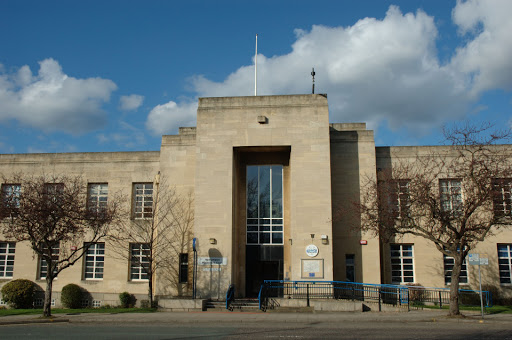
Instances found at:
x=451 y=195
x=139 y=261
x=94 y=261
x=448 y=267
x=505 y=263
x=11 y=199
x=7 y=250
x=265 y=204
x=183 y=268
x=97 y=197
x=502 y=200
x=399 y=198
x=43 y=266
x=54 y=191
x=143 y=200
x=402 y=270
x=350 y=268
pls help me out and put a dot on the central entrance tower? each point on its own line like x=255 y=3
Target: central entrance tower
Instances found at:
x=262 y=188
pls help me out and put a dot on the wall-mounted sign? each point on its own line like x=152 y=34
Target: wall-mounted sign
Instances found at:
x=312 y=268
x=311 y=250
x=363 y=242
x=208 y=261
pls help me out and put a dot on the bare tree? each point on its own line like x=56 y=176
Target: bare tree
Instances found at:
x=454 y=196
x=156 y=235
x=51 y=213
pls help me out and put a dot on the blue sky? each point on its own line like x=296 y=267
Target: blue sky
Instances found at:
x=116 y=75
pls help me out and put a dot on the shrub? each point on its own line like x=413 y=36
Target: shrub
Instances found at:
x=19 y=293
x=416 y=292
x=495 y=291
x=71 y=296
x=126 y=299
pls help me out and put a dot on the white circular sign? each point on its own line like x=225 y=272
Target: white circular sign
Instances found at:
x=312 y=250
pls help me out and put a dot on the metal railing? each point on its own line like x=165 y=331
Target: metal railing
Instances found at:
x=396 y=295
x=230 y=295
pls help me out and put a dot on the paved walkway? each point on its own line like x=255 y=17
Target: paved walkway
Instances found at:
x=240 y=317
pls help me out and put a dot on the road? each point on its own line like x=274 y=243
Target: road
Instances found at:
x=267 y=326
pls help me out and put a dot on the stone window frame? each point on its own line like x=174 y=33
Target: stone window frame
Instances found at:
x=7 y=258
x=451 y=195
x=94 y=260
x=448 y=262
x=10 y=192
x=139 y=257
x=502 y=198
x=505 y=263
x=43 y=268
x=400 y=258
x=142 y=207
x=97 y=197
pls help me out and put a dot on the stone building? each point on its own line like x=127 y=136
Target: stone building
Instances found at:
x=266 y=173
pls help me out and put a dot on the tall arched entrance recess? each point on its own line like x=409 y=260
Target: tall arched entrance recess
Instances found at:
x=261 y=216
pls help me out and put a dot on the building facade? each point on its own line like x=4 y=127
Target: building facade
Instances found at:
x=267 y=174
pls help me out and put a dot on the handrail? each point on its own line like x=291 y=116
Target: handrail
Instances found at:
x=230 y=295
x=383 y=293
x=261 y=297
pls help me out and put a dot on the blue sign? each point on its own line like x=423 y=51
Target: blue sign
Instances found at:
x=194 y=244
x=311 y=274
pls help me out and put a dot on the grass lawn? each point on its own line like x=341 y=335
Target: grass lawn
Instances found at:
x=487 y=310
x=5 y=312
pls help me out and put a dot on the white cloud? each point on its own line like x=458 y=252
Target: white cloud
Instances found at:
x=167 y=118
x=486 y=59
x=131 y=102
x=52 y=100
x=373 y=71
x=378 y=70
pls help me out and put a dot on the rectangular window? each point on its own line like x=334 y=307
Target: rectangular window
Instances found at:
x=350 y=268
x=139 y=261
x=502 y=199
x=43 y=266
x=399 y=198
x=505 y=263
x=448 y=267
x=7 y=250
x=54 y=191
x=264 y=204
x=10 y=199
x=451 y=195
x=183 y=268
x=402 y=270
x=97 y=197
x=94 y=261
x=142 y=200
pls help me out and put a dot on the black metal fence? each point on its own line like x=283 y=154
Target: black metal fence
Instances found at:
x=396 y=295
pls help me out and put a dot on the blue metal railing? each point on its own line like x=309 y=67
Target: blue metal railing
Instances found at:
x=381 y=293
x=230 y=295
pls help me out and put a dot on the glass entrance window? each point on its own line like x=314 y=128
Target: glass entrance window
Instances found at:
x=265 y=204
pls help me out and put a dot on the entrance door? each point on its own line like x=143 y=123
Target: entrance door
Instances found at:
x=262 y=263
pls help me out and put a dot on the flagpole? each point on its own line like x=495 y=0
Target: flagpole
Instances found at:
x=256 y=68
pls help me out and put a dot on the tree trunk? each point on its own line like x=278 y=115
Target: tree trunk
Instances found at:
x=454 y=286
x=150 y=291
x=47 y=311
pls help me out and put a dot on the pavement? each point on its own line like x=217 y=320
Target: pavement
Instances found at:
x=258 y=317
